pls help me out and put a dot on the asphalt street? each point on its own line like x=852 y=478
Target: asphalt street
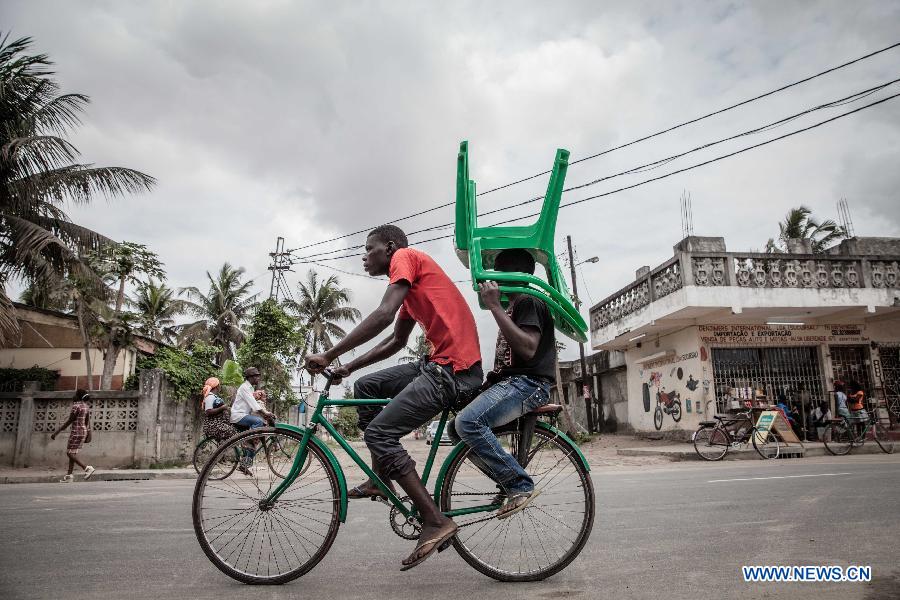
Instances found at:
x=673 y=531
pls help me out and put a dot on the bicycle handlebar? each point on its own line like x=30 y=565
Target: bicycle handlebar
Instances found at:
x=329 y=377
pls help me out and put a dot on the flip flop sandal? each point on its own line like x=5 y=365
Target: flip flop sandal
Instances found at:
x=438 y=545
x=518 y=502
x=359 y=492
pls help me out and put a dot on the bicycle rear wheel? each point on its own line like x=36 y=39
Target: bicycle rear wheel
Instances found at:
x=880 y=433
x=838 y=438
x=203 y=452
x=538 y=541
x=225 y=465
x=280 y=456
x=766 y=443
x=710 y=443
x=253 y=542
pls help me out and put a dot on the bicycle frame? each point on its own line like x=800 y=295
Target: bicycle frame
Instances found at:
x=318 y=420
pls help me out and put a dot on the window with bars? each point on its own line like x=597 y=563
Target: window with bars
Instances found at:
x=782 y=374
x=106 y=414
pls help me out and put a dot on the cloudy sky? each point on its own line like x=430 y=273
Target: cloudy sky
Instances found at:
x=309 y=120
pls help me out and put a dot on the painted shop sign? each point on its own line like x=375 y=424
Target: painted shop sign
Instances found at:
x=781 y=335
x=675 y=358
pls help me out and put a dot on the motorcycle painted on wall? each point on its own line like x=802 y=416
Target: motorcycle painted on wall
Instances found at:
x=668 y=403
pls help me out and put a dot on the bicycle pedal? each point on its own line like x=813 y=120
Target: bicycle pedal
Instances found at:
x=381 y=499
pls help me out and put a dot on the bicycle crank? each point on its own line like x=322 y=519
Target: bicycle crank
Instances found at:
x=408 y=528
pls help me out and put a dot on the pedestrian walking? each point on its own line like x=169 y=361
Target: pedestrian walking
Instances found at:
x=80 y=420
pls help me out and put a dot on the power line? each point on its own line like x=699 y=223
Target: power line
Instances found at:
x=639 y=169
x=683 y=170
x=625 y=145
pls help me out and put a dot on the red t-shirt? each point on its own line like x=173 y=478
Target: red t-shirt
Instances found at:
x=436 y=304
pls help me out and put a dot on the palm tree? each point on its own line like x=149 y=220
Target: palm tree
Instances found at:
x=322 y=305
x=800 y=224
x=421 y=349
x=157 y=308
x=40 y=174
x=221 y=312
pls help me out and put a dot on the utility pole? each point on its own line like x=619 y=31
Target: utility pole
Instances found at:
x=278 y=265
x=588 y=398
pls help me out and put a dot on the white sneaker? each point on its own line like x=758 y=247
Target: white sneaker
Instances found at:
x=67 y=479
x=88 y=471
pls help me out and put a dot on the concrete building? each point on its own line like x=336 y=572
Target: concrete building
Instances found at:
x=50 y=339
x=708 y=330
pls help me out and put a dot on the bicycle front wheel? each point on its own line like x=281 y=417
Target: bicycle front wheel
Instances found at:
x=538 y=541
x=838 y=439
x=251 y=540
x=766 y=443
x=710 y=443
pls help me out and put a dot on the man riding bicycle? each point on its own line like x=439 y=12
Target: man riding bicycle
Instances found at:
x=418 y=291
x=246 y=411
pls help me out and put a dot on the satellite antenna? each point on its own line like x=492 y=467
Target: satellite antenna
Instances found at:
x=687 y=215
x=844 y=215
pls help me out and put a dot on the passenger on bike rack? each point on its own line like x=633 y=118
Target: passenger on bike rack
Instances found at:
x=520 y=382
x=418 y=291
x=216 y=424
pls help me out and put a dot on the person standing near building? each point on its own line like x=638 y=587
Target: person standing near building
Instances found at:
x=840 y=400
x=80 y=420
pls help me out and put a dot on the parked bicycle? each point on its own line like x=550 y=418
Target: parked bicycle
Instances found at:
x=842 y=435
x=279 y=456
x=713 y=439
x=267 y=529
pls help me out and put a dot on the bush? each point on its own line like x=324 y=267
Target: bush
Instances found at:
x=45 y=377
x=185 y=370
x=347 y=423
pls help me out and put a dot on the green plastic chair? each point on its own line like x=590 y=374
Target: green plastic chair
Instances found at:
x=477 y=247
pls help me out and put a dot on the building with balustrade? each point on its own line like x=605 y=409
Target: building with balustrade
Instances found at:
x=709 y=330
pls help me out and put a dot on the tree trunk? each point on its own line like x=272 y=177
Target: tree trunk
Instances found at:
x=86 y=344
x=112 y=349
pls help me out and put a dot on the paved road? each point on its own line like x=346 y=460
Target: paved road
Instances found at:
x=680 y=531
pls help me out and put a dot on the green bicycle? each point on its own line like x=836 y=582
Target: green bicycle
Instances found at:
x=266 y=529
x=842 y=435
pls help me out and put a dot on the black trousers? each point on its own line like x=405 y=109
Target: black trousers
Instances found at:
x=418 y=392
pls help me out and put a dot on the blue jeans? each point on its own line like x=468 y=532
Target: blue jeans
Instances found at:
x=250 y=422
x=500 y=404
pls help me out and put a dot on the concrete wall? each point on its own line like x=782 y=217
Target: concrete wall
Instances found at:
x=129 y=428
x=670 y=365
x=613 y=386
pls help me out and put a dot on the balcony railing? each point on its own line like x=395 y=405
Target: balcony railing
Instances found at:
x=748 y=270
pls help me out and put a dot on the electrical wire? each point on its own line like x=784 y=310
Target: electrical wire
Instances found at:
x=625 y=145
x=664 y=176
x=639 y=169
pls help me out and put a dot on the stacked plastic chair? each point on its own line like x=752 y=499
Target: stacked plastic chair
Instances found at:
x=477 y=247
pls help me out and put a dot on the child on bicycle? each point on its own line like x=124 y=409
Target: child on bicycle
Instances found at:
x=418 y=291
x=520 y=382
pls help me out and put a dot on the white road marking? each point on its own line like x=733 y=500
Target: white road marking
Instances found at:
x=778 y=477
